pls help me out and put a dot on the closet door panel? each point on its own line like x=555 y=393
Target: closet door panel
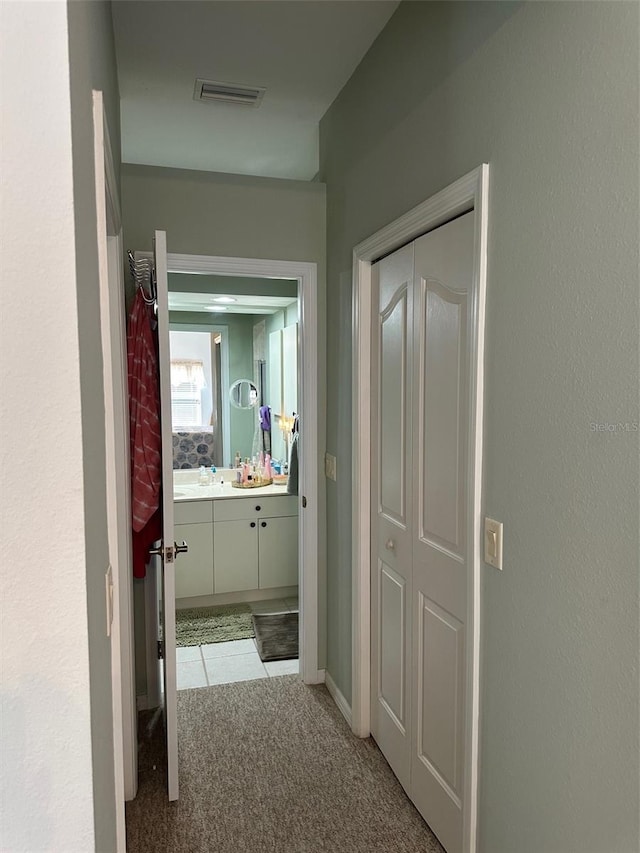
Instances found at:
x=392 y=408
x=392 y=669
x=391 y=573
x=443 y=417
x=440 y=641
x=441 y=484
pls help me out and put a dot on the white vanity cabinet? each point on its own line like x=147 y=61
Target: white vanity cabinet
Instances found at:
x=255 y=543
x=194 y=570
x=236 y=544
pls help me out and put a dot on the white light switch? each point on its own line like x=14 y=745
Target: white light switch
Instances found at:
x=493 y=543
x=330 y=466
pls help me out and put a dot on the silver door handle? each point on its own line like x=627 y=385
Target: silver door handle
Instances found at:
x=181 y=549
x=157 y=552
x=390 y=545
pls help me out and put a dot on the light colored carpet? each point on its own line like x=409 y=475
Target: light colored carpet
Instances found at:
x=270 y=766
x=198 y=626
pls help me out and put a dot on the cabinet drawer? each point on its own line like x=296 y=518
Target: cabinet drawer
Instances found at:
x=258 y=507
x=192 y=512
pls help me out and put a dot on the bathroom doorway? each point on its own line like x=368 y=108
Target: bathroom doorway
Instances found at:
x=233 y=544
x=234 y=408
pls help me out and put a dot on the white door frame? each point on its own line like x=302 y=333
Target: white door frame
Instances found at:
x=309 y=486
x=469 y=192
x=119 y=581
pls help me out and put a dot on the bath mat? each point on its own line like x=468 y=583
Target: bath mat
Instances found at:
x=198 y=626
x=276 y=635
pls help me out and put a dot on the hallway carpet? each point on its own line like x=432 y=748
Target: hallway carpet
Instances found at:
x=270 y=766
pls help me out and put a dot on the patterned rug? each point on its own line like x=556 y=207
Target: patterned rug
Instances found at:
x=198 y=626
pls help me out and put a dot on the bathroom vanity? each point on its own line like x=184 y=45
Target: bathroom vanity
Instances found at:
x=240 y=541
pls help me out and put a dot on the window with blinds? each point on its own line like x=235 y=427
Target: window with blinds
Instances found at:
x=187 y=382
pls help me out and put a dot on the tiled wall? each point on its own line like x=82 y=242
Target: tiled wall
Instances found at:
x=192 y=449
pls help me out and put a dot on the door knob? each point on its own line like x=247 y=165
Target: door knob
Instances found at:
x=258 y=508
x=253 y=524
x=157 y=552
x=181 y=549
x=390 y=545
x=263 y=524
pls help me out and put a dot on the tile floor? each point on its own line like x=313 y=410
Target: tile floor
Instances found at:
x=238 y=660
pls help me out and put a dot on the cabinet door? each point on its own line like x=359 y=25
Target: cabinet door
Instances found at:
x=194 y=570
x=278 y=552
x=235 y=555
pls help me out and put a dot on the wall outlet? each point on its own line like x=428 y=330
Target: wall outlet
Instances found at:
x=330 y=466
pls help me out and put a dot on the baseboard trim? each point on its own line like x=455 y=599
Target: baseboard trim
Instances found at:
x=338 y=698
x=316 y=678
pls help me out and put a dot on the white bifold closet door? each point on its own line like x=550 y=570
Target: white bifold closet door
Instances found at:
x=420 y=488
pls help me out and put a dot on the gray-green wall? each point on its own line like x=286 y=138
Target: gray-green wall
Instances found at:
x=547 y=94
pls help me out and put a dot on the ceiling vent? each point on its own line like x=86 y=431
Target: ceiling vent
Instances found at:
x=229 y=93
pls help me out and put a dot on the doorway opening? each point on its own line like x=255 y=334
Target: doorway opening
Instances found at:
x=219 y=520
x=234 y=406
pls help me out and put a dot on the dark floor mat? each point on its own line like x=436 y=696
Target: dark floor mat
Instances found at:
x=276 y=635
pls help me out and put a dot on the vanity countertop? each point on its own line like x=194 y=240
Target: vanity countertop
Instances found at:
x=195 y=492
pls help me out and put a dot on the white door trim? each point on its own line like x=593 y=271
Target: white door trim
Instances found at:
x=309 y=486
x=469 y=192
x=119 y=587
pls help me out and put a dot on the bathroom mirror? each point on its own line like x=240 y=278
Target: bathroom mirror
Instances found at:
x=243 y=394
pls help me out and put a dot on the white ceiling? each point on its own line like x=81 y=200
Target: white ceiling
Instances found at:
x=240 y=305
x=302 y=51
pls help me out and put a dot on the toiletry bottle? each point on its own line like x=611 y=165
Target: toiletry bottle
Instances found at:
x=268 y=474
x=203 y=479
x=237 y=462
x=213 y=475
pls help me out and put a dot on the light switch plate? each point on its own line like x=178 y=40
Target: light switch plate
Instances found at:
x=330 y=466
x=493 y=543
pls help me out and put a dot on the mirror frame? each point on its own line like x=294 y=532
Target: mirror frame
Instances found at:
x=233 y=388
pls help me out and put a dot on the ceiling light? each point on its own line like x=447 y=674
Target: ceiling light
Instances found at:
x=215 y=308
x=226 y=299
